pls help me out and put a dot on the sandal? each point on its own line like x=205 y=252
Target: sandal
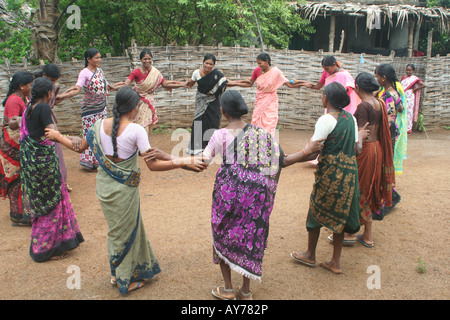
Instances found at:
x=140 y=284
x=216 y=293
x=245 y=296
x=69 y=188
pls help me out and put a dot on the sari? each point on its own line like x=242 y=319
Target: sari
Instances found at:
x=400 y=138
x=146 y=114
x=243 y=199
x=345 y=78
x=10 y=185
x=334 y=200
x=265 y=112
x=376 y=170
x=58 y=148
x=46 y=199
x=207 y=110
x=131 y=257
x=93 y=107
x=412 y=99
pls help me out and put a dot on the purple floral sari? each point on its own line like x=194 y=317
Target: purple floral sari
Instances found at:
x=243 y=199
x=46 y=200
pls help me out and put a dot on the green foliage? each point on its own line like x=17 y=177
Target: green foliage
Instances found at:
x=109 y=25
x=14 y=44
x=421 y=265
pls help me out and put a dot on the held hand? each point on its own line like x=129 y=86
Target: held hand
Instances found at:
x=155 y=154
x=76 y=143
x=363 y=132
x=315 y=146
x=197 y=164
x=52 y=134
x=14 y=123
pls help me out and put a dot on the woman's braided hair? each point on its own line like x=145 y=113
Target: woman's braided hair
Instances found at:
x=126 y=100
x=388 y=71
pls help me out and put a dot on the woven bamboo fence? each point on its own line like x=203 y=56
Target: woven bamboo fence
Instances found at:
x=299 y=108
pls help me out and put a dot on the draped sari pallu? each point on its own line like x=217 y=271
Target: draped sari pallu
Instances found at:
x=46 y=200
x=400 y=144
x=93 y=107
x=207 y=109
x=265 y=112
x=412 y=99
x=334 y=200
x=243 y=199
x=376 y=170
x=130 y=254
x=10 y=172
x=146 y=114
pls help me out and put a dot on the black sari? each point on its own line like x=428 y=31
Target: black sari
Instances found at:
x=207 y=110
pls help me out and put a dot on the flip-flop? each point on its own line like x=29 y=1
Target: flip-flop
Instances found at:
x=137 y=287
x=245 y=296
x=346 y=242
x=304 y=262
x=365 y=244
x=216 y=293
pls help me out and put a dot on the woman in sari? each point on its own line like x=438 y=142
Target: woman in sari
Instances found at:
x=333 y=72
x=117 y=144
x=211 y=83
x=244 y=194
x=93 y=106
x=10 y=183
x=147 y=79
x=52 y=72
x=46 y=199
x=334 y=201
x=412 y=86
x=395 y=99
x=268 y=80
x=375 y=163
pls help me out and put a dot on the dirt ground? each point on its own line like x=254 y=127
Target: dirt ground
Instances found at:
x=176 y=210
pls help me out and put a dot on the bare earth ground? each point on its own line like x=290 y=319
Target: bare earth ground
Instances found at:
x=176 y=212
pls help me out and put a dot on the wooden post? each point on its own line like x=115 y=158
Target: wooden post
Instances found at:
x=332 y=34
x=430 y=43
x=411 y=25
x=341 y=45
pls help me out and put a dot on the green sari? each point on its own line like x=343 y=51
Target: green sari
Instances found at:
x=334 y=201
x=130 y=254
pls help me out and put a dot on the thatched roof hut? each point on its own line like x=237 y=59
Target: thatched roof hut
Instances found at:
x=376 y=14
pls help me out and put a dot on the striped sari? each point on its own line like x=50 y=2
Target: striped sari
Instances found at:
x=131 y=257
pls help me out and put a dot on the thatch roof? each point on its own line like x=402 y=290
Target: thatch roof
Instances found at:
x=395 y=15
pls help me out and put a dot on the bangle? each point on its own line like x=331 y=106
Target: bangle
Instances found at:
x=304 y=152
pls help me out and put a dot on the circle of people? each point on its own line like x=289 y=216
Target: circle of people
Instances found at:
x=358 y=145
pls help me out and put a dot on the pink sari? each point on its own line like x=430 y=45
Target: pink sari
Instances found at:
x=345 y=78
x=265 y=113
x=412 y=99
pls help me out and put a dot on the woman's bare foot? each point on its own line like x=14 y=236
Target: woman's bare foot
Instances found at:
x=331 y=267
x=60 y=257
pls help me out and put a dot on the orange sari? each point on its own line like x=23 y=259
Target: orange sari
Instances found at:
x=376 y=170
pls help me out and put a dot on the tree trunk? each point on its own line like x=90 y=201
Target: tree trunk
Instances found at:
x=45 y=30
